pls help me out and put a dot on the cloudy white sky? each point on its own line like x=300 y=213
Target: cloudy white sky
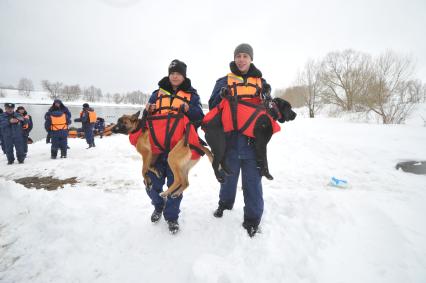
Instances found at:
x=124 y=45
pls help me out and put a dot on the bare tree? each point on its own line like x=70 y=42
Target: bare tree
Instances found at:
x=92 y=94
x=392 y=91
x=70 y=92
x=117 y=98
x=136 y=97
x=345 y=77
x=52 y=88
x=310 y=78
x=2 y=93
x=25 y=86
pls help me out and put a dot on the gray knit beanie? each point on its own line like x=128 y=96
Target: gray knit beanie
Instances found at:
x=244 y=48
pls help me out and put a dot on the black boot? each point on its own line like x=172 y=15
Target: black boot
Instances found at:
x=53 y=153
x=252 y=229
x=63 y=153
x=156 y=215
x=173 y=226
x=218 y=213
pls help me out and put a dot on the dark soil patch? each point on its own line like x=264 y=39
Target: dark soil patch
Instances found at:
x=47 y=183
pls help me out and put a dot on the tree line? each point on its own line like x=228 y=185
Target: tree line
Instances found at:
x=355 y=81
x=59 y=90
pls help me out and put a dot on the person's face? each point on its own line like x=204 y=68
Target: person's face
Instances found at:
x=176 y=79
x=243 y=61
x=21 y=111
x=9 y=110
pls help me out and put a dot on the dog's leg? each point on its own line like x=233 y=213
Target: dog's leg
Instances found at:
x=262 y=133
x=143 y=146
x=179 y=156
x=185 y=183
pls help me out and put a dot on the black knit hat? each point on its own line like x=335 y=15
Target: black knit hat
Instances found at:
x=244 y=48
x=86 y=105
x=9 y=105
x=177 y=66
x=20 y=107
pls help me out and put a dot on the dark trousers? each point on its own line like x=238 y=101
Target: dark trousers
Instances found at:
x=10 y=143
x=171 y=205
x=251 y=185
x=59 y=142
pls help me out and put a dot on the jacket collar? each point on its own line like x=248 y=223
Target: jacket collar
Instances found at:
x=165 y=84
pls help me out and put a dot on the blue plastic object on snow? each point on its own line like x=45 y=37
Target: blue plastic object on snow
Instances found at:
x=338 y=183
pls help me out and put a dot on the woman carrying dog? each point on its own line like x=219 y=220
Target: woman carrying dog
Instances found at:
x=245 y=82
x=175 y=95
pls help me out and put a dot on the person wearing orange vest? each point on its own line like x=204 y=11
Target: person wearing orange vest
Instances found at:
x=245 y=81
x=57 y=121
x=175 y=95
x=26 y=127
x=11 y=124
x=88 y=120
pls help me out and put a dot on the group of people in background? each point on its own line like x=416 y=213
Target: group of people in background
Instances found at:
x=15 y=128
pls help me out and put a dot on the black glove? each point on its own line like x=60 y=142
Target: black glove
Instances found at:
x=224 y=92
x=266 y=91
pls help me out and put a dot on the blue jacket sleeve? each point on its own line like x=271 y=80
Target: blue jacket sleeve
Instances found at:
x=3 y=121
x=215 y=98
x=195 y=112
x=68 y=114
x=153 y=97
x=47 y=121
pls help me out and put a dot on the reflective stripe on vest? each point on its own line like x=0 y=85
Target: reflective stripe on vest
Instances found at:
x=59 y=123
x=166 y=103
x=244 y=89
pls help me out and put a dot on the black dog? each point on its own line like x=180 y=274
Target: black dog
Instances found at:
x=278 y=108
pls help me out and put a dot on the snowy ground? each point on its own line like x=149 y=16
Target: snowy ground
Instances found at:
x=100 y=229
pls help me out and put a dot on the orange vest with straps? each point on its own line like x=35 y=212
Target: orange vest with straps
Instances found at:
x=92 y=116
x=245 y=89
x=59 y=122
x=168 y=103
x=26 y=126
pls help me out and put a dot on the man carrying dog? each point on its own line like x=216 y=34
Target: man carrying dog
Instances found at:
x=245 y=82
x=174 y=96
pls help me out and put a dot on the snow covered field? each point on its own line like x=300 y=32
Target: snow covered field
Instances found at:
x=100 y=231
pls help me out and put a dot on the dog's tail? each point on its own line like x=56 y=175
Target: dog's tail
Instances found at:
x=207 y=152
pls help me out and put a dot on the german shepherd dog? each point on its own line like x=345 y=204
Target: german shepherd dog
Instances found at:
x=179 y=158
x=278 y=108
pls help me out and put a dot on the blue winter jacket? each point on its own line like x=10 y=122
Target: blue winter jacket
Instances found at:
x=9 y=129
x=54 y=111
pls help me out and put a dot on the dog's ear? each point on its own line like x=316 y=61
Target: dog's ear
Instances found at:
x=136 y=115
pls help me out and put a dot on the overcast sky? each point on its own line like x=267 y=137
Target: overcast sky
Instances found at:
x=125 y=45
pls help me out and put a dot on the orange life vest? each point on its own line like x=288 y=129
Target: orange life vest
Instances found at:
x=92 y=116
x=58 y=122
x=245 y=89
x=168 y=103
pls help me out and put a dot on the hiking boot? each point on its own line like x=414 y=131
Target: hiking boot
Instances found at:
x=156 y=216
x=63 y=156
x=173 y=226
x=21 y=161
x=218 y=213
x=252 y=230
x=10 y=162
